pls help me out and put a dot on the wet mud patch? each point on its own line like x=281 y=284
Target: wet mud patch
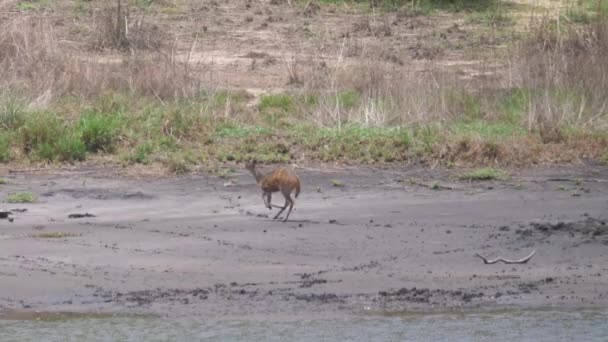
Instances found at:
x=320 y=298
x=147 y=297
x=79 y=215
x=590 y=229
x=427 y=296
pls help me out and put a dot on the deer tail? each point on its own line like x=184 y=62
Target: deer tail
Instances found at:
x=297 y=189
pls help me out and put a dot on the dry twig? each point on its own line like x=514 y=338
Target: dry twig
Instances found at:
x=506 y=261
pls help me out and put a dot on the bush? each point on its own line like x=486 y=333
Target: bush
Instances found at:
x=5 y=147
x=40 y=128
x=99 y=132
x=70 y=148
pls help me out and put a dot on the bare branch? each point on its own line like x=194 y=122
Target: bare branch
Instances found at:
x=506 y=261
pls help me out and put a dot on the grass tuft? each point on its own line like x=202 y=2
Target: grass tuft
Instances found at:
x=22 y=197
x=55 y=235
x=336 y=183
x=99 y=131
x=484 y=174
x=5 y=147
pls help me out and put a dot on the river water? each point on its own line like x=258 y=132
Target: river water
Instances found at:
x=517 y=325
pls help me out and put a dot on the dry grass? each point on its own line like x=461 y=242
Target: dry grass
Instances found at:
x=34 y=64
x=547 y=105
x=564 y=69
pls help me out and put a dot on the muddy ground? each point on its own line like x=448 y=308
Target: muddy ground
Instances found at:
x=382 y=241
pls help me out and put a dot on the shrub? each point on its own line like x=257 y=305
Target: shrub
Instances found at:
x=99 y=132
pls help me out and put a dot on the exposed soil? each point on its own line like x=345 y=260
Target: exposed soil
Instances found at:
x=253 y=45
x=199 y=245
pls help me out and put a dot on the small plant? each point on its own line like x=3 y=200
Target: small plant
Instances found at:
x=30 y=5
x=4 y=181
x=22 y=197
x=99 y=132
x=142 y=153
x=336 y=183
x=435 y=185
x=177 y=164
x=55 y=235
x=12 y=113
x=70 y=148
x=223 y=173
x=562 y=188
x=486 y=173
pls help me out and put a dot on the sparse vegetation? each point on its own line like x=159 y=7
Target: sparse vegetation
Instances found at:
x=55 y=235
x=483 y=174
x=336 y=183
x=21 y=197
x=148 y=106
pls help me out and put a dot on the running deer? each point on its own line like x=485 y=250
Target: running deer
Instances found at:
x=283 y=179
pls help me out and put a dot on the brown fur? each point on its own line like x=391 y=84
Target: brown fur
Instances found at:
x=283 y=179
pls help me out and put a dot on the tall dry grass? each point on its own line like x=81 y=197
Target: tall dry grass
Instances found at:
x=35 y=65
x=565 y=70
x=558 y=76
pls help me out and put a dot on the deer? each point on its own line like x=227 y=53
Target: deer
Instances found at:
x=283 y=179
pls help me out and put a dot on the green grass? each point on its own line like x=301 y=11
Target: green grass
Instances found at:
x=55 y=235
x=68 y=148
x=5 y=147
x=100 y=131
x=486 y=129
x=422 y=6
x=32 y=5
x=22 y=197
x=427 y=6
x=586 y=11
x=494 y=17
x=141 y=153
x=276 y=108
x=183 y=135
x=513 y=105
x=484 y=174
x=336 y=183
x=12 y=113
x=4 y=181
x=604 y=158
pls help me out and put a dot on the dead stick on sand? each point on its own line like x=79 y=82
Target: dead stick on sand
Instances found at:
x=506 y=261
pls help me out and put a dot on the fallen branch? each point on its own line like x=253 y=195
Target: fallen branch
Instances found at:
x=506 y=261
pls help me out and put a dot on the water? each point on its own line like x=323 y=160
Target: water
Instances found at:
x=504 y=326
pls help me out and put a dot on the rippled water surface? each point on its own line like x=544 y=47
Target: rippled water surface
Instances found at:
x=504 y=326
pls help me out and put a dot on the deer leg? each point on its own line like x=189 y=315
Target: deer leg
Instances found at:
x=291 y=203
x=282 y=209
x=266 y=197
